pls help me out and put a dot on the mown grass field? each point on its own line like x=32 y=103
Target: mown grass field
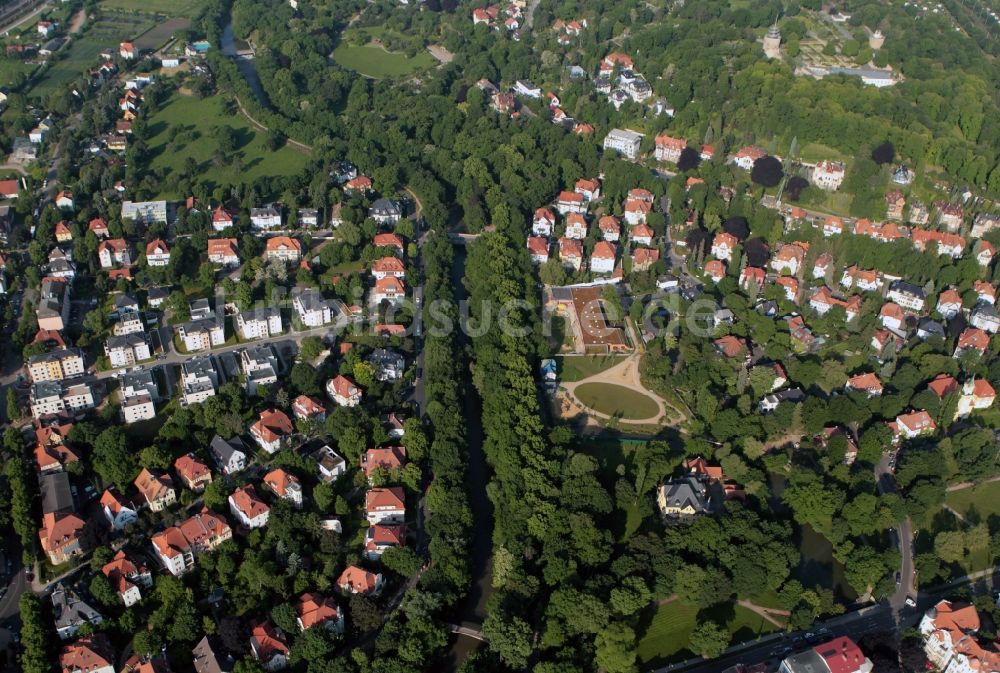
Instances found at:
x=182 y=128
x=181 y=8
x=982 y=500
x=373 y=60
x=669 y=629
x=577 y=368
x=615 y=400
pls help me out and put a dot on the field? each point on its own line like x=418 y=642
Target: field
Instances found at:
x=156 y=37
x=670 y=625
x=179 y=8
x=182 y=128
x=815 y=152
x=982 y=501
x=375 y=61
x=580 y=367
x=615 y=400
x=9 y=69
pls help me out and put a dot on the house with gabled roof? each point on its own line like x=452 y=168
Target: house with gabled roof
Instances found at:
x=157 y=490
x=949 y=303
x=248 y=508
x=272 y=431
x=126 y=578
x=119 y=511
x=543 y=222
x=285 y=485
x=867 y=383
x=313 y=609
x=60 y=536
x=380 y=537
x=89 y=654
x=308 y=408
x=193 y=472
x=915 y=424
x=603 y=256
x=268 y=646
x=357 y=580
x=385 y=505
x=343 y=391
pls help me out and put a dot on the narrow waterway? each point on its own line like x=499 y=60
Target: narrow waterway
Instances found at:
x=472 y=610
x=243 y=64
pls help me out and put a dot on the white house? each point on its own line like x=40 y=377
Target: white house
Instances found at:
x=260 y=323
x=312 y=309
x=624 y=142
x=249 y=509
x=385 y=505
x=343 y=391
x=543 y=222
x=828 y=175
x=602 y=259
x=157 y=253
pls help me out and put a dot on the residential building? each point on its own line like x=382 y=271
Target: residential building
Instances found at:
x=313 y=609
x=266 y=217
x=388 y=266
x=283 y=248
x=867 y=383
x=944 y=243
x=268 y=646
x=139 y=393
x=977 y=394
x=984 y=252
x=249 y=509
x=118 y=511
x=828 y=175
x=570 y=202
x=126 y=578
x=356 y=580
x=308 y=408
x=951 y=643
x=894 y=204
x=259 y=323
x=381 y=537
x=308 y=217
x=949 y=304
x=855 y=277
x=259 y=365
x=747 y=156
x=312 y=309
x=71 y=612
x=949 y=215
x=983 y=223
x=65 y=363
x=385 y=505
x=589 y=189
x=823 y=300
x=202 y=333
x=193 y=472
x=386 y=212
x=669 y=148
x=391 y=241
x=126 y=350
x=840 y=655
x=157 y=253
x=129 y=321
x=576 y=226
x=389 y=365
x=643 y=259
x=543 y=222
x=891 y=316
x=389 y=289
x=114 y=252
x=915 y=424
x=199 y=379
x=723 y=246
x=715 y=270
x=984 y=316
x=50 y=398
x=53 y=305
x=273 y=430
x=60 y=536
x=571 y=253
x=285 y=485
x=343 y=391
x=538 y=249
x=602 y=258
x=972 y=339
x=222 y=219
x=90 y=654
x=624 y=142
x=610 y=228
x=207 y=660
x=156 y=489
x=389 y=458
x=907 y=295
x=684 y=498
x=229 y=456
x=329 y=464
x=224 y=251
x=772 y=401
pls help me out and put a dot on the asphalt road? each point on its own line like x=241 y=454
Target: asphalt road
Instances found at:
x=886 y=483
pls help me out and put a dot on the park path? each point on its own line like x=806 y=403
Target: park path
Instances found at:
x=625 y=374
x=295 y=143
x=970 y=484
x=77 y=23
x=770 y=615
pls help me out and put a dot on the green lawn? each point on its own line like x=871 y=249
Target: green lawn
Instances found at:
x=374 y=60
x=76 y=58
x=982 y=500
x=615 y=400
x=815 y=152
x=182 y=129
x=577 y=368
x=665 y=639
x=184 y=8
x=9 y=69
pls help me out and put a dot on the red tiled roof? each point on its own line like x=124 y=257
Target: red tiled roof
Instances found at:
x=943 y=385
x=389 y=458
x=246 y=501
x=392 y=497
x=313 y=609
x=273 y=425
x=388 y=265
x=226 y=247
x=283 y=243
x=357 y=580
x=279 y=480
x=191 y=468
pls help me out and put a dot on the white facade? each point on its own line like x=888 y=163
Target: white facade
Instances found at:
x=260 y=324
x=625 y=143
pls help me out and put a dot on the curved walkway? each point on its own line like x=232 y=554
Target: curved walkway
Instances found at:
x=625 y=374
x=294 y=143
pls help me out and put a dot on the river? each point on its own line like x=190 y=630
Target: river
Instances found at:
x=245 y=65
x=472 y=611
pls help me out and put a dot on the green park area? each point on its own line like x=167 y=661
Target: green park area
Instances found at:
x=669 y=628
x=577 y=368
x=187 y=129
x=364 y=50
x=978 y=503
x=615 y=400
x=178 y=8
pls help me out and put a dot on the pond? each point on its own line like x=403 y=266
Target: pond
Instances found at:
x=244 y=64
x=819 y=567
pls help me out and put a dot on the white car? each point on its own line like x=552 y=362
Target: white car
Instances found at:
x=910 y=602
